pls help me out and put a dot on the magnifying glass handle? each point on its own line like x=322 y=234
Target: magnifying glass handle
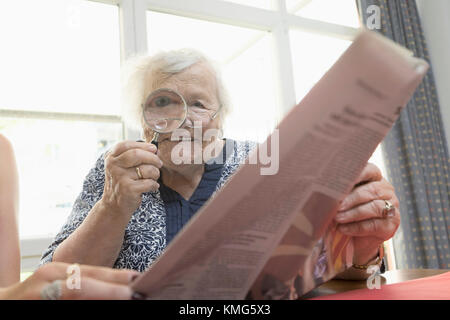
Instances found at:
x=155 y=138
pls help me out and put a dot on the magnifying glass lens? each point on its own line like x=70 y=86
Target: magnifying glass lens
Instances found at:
x=164 y=111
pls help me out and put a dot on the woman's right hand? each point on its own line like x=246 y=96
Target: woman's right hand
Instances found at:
x=95 y=283
x=123 y=186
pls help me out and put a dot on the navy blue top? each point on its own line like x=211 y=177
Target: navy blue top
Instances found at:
x=180 y=210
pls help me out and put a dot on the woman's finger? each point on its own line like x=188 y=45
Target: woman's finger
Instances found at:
x=147 y=171
x=377 y=190
x=123 y=146
x=144 y=185
x=370 y=173
x=62 y=271
x=134 y=157
x=117 y=276
x=369 y=210
x=366 y=228
x=93 y=289
x=382 y=229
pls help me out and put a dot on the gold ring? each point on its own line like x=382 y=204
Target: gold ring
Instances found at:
x=388 y=210
x=138 y=172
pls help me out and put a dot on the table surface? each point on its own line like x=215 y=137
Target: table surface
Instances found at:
x=389 y=277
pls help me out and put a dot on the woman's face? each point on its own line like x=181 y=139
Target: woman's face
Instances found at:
x=197 y=84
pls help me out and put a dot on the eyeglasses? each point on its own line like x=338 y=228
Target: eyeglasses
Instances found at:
x=166 y=110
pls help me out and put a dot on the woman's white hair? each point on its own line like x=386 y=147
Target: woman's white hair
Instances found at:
x=139 y=72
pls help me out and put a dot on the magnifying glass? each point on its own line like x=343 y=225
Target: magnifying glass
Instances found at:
x=164 y=111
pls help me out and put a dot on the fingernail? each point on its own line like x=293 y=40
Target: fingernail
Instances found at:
x=138 y=296
x=152 y=147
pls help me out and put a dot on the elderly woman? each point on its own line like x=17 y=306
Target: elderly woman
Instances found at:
x=137 y=197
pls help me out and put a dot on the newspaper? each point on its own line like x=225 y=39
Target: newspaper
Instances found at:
x=263 y=234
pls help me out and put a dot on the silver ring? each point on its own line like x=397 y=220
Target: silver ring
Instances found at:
x=388 y=210
x=53 y=291
x=138 y=172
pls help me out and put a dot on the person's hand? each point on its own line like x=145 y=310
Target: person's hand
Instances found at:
x=95 y=283
x=123 y=185
x=362 y=214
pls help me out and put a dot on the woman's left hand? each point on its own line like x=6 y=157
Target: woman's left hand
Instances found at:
x=362 y=214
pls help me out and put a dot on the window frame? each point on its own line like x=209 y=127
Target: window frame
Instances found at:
x=133 y=40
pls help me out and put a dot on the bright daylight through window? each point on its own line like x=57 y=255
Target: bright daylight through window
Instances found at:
x=57 y=58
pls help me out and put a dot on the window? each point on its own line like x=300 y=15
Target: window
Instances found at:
x=53 y=157
x=60 y=55
x=59 y=105
x=342 y=12
x=263 y=4
x=312 y=56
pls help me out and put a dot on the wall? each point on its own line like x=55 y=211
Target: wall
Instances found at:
x=435 y=18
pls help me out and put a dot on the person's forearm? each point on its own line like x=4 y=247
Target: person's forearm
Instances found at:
x=97 y=241
x=9 y=239
x=9 y=210
x=9 y=258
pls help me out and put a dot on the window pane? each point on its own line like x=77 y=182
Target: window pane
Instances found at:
x=247 y=65
x=250 y=81
x=53 y=158
x=263 y=4
x=340 y=12
x=219 y=41
x=312 y=56
x=59 y=55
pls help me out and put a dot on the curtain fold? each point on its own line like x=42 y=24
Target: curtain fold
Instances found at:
x=415 y=151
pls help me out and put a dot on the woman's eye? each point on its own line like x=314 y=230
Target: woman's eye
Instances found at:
x=198 y=104
x=162 y=101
